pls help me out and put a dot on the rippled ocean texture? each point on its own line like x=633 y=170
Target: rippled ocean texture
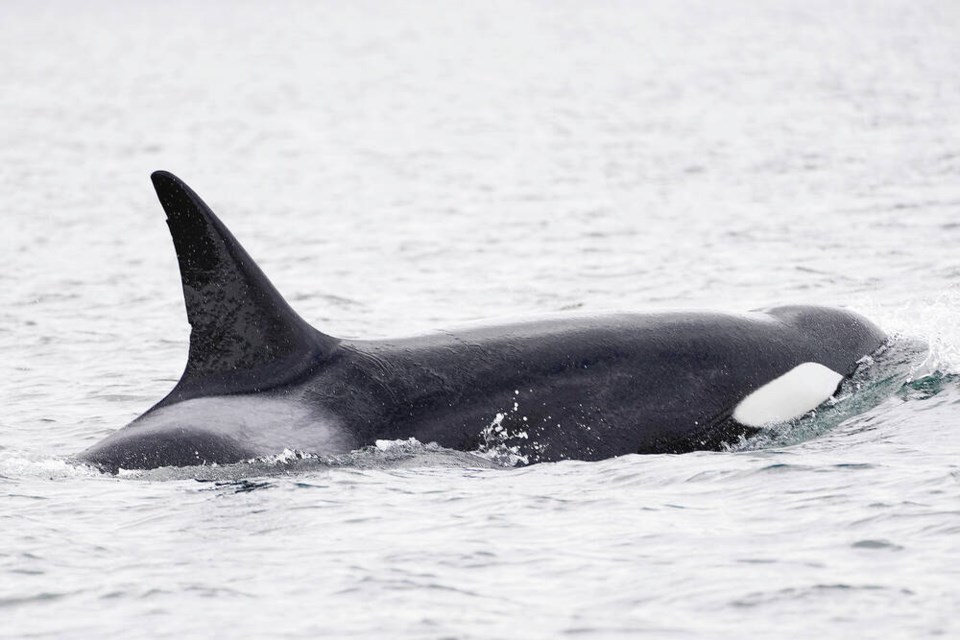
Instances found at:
x=396 y=167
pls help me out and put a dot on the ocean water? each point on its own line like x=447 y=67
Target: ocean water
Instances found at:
x=397 y=167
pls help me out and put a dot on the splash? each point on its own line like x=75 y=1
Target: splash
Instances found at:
x=23 y=464
x=932 y=320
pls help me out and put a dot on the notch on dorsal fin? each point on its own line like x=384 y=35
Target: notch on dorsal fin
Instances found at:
x=244 y=337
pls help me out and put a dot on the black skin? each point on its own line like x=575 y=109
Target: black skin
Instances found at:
x=587 y=388
x=584 y=388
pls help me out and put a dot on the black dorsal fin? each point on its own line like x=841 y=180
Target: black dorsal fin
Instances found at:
x=244 y=337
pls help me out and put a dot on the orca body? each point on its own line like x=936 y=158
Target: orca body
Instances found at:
x=260 y=380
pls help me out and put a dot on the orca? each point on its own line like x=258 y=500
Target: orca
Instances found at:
x=260 y=380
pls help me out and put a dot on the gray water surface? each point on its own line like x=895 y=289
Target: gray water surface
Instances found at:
x=400 y=167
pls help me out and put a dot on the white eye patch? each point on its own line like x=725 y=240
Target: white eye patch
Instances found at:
x=793 y=394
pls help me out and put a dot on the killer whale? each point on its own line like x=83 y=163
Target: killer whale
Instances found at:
x=259 y=379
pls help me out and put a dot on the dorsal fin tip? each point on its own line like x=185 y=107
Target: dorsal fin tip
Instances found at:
x=161 y=174
x=244 y=337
